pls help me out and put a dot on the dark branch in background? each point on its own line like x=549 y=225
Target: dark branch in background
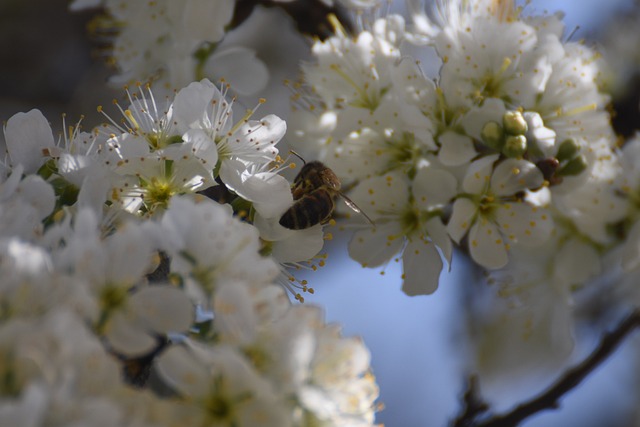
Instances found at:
x=473 y=405
x=549 y=399
x=625 y=116
x=309 y=16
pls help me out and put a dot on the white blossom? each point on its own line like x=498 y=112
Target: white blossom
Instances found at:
x=402 y=225
x=491 y=213
x=210 y=248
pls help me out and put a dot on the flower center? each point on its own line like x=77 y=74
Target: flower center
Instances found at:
x=258 y=357
x=404 y=152
x=487 y=204
x=158 y=193
x=219 y=408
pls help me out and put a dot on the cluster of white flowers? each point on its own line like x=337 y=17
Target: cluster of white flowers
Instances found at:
x=114 y=268
x=506 y=151
x=509 y=148
x=173 y=43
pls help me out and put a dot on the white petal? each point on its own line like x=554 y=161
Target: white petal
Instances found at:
x=39 y=194
x=422 y=265
x=130 y=250
x=203 y=147
x=10 y=185
x=270 y=228
x=236 y=319
x=318 y=402
x=438 y=234
x=162 y=308
x=474 y=121
x=512 y=176
x=127 y=337
x=455 y=149
x=478 y=176
x=275 y=194
x=27 y=135
x=382 y=194
x=126 y=146
x=376 y=246
x=73 y=167
x=525 y=224
x=486 y=245
x=192 y=102
x=179 y=368
x=433 y=187
x=577 y=262
x=256 y=140
x=30 y=409
x=461 y=219
x=25 y=257
x=241 y=68
x=269 y=192
x=301 y=245
x=206 y=20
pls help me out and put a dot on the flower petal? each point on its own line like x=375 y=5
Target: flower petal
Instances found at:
x=269 y=192
x=178 y=367
x=486 y=245
x=438 y=235
x=301 y=245
x=27 y=135
x=127 y=337
x=577 y=262
x=239 y=65
x=461 y=219
x=512 y=176
x=163 y=308
x=202 y=146
x=433 y=187
x=478 y=176
x=455 y=149
x=422 y=265
x=525 y=224
x=375 y=246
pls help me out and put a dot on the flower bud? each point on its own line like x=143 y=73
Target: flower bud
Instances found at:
x=568 y=150
x=515 y=146
x=493 y=135
x=574 y=166
x=514 y=123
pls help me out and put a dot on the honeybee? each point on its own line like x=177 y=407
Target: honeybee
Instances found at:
x=315 y=189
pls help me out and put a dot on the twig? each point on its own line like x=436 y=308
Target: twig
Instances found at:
x=549 y=399
x=474 y=406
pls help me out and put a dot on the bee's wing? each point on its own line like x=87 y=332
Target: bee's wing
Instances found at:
x=355 y=208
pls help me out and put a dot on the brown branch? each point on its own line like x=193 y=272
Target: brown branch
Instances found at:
x=549 y=399
x=474 y=406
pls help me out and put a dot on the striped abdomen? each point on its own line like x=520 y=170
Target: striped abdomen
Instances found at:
x=313 y=208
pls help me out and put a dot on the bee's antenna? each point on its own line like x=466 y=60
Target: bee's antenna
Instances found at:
x=298 y=156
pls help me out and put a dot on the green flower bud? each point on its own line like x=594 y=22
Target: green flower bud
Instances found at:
x=493 y=135
x=574 y=166
x=514 y=123
x=515 y=146
x=568 y=150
